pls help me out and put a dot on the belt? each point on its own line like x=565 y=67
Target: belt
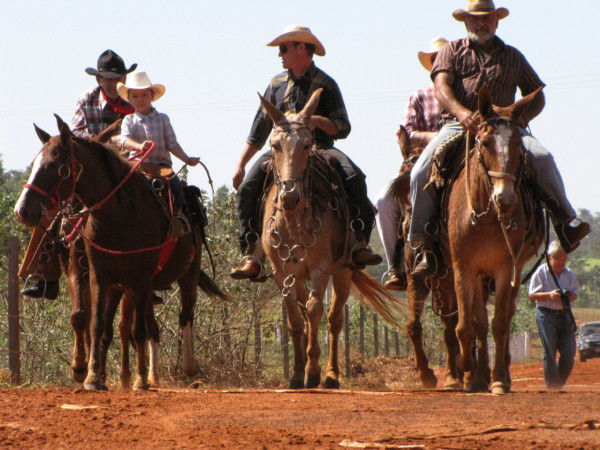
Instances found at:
x=559 y=312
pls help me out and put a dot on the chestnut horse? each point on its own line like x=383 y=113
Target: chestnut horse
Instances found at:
x=125 y=231
x=494 y=228
x=419 y=287
x=307 y=238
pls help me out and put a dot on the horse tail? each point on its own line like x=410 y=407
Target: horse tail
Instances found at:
x=388 y=306
x=208 y=285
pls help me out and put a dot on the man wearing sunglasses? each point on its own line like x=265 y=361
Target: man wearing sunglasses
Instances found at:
x=290 y=91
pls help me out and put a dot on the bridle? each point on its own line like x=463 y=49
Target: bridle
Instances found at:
x=506 y=221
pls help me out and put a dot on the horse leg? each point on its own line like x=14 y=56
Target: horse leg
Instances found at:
x=464 y=328
x=188 y=287
x=93 y=380
x=125 y=324
x=79 y=292
x=110 y=311
x=416 y=292
x=153 y=342
x=297 y=326
x=480 y=377
x=504 y=311
x=335 y=321
x=142 y=297
x=454 y=378
x=314 y=313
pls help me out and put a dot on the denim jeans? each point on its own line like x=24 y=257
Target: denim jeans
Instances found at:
x=556 y=335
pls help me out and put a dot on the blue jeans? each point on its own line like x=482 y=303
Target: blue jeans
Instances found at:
x=556 y=335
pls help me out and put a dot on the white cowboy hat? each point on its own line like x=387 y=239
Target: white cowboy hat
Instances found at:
x=479 y=8
x=434 y=47
x=297 y=33
x=139 y=80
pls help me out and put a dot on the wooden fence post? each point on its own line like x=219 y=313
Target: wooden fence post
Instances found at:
x=257 y=344
x=397 y=342
x=361 y=331
x=375 y=336
x=14 y=340
x=386 y=341
x=347 y=338
x=285 y=336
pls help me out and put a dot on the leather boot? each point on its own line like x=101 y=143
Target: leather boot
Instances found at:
x=431 y=261
x=569 y=236
x=251 y=270
x=46 y=289
x=363 y=256
x=397 y=282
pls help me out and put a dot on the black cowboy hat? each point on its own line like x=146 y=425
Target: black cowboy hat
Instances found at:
x=110 y=65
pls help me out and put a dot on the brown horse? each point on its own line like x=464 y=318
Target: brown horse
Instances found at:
x=306 y=237
x=125 y=230
x=494 y=228
x=419 y=287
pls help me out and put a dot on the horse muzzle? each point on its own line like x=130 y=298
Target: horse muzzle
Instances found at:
x=27 y=212
x=505 y=200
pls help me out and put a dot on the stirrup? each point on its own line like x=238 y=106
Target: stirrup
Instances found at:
x=180 y=226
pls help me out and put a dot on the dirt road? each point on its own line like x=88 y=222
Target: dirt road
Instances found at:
x=528 y=418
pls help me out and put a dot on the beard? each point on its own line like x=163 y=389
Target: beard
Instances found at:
x=481 y=36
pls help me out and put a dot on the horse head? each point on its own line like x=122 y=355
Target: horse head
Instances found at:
x=291 y=142
x=52 y=177
x=499 y=148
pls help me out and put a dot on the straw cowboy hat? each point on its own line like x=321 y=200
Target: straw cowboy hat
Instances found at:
x=297 y=33
x=110 y=65
x=140 y=80
x=434 y=47
x=479 y=8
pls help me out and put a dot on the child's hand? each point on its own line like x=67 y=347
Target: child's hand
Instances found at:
x=193 y=161
x=146 y=146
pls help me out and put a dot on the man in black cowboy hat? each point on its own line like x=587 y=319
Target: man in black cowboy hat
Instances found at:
x=461 y=68
x=96 y=109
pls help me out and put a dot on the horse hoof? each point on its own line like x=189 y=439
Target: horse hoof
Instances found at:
x=498 y=387
x=428 y=380
x=452 y=385
x=296 y=384
x=141 y=387
x=79 y=375
x=331 y=383
x=479 y=386
x=94 y=387
x=312 y=381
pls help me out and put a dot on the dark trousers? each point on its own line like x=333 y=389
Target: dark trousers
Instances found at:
x=250 y=191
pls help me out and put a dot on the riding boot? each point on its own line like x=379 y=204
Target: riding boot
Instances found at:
x=252 y=265
x=45 y=289
x=48 y=271
x=397 y=281
x=431 y=259
x=569 y=236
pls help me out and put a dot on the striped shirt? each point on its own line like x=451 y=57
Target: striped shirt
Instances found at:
x=503 y=68
x=423 y=112
x=154 y=127
x=289 y=94
x=93 y=114
x=542 y=281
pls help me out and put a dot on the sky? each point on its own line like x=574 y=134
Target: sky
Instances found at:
x=212 y=58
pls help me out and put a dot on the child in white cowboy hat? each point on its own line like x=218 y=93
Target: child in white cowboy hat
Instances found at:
x=147 y=126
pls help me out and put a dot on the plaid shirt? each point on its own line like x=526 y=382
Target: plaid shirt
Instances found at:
x=503 y=69
x=154 y=127
x=423 y=112
x=93 y=114
x=289 y=94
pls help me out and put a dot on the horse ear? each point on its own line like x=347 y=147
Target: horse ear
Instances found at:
x=108 y=132
x=524 y=104
x=484 y=101
x=403 y=141
x=44 y=137
x=65 y=131
x=311 y=105
x=276 y=115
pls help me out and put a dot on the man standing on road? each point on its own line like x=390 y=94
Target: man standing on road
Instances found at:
x=553 y=315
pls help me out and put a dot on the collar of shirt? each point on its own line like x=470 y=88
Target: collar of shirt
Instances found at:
x=308 y=74
x=141 y=116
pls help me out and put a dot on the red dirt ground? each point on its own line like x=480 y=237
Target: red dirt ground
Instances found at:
x=528 y=418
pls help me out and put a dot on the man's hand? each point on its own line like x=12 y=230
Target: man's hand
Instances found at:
x=468 y=120
x=238 y=177
x=193 y=161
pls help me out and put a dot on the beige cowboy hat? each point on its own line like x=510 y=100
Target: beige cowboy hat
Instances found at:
x=297 y=33
x=139 y=80
x=434 y=46
x=479 y=8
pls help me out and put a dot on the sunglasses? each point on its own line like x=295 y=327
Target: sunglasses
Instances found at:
x=284 y=48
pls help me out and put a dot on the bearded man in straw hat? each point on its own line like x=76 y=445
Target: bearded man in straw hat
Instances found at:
x=461 y=68
x=96 y=109
x=422 y=121
x=290 y=91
